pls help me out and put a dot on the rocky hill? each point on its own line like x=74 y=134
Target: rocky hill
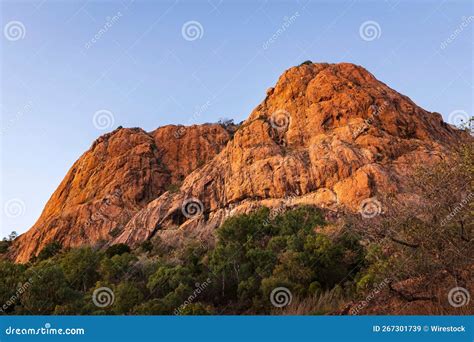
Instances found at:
x=117 y=177
x=330 y=135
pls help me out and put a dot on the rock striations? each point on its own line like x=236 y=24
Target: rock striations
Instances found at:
x=330 y=135
x=117 y=177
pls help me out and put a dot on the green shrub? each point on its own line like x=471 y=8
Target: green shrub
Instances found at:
x=127 y=296
x=48 y=288
x=117 y=249
x=80 y=267
x=253 y=254
x=50 y=250
x=4 y=245
x=116 y=268
x=13 y=283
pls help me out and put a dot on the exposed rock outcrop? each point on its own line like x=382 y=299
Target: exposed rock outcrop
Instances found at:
x=119 y=175
x=327 y=134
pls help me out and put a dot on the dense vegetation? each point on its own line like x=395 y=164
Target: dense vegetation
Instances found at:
x=322 y=265
x=253 y=255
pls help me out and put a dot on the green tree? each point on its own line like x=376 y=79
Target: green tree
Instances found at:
x=167 y=278
x=12 y=285
x=80 y=267
x=114 y=269
x=50 y=250
x=117 y=249
x=127 y=296
x=48 y=288
x=4 y=245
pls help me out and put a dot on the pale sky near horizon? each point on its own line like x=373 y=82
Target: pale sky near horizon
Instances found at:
x=151 y=63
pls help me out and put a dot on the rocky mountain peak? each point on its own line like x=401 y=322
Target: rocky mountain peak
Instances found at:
x=329 y=135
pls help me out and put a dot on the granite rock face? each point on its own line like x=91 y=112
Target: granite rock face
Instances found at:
x=117 y=177
x=329 y=135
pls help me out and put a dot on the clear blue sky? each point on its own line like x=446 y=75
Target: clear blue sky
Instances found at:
x=144 y=71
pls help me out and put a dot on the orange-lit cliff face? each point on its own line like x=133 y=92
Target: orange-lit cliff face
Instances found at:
x=118 y=176
x=327 y=134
